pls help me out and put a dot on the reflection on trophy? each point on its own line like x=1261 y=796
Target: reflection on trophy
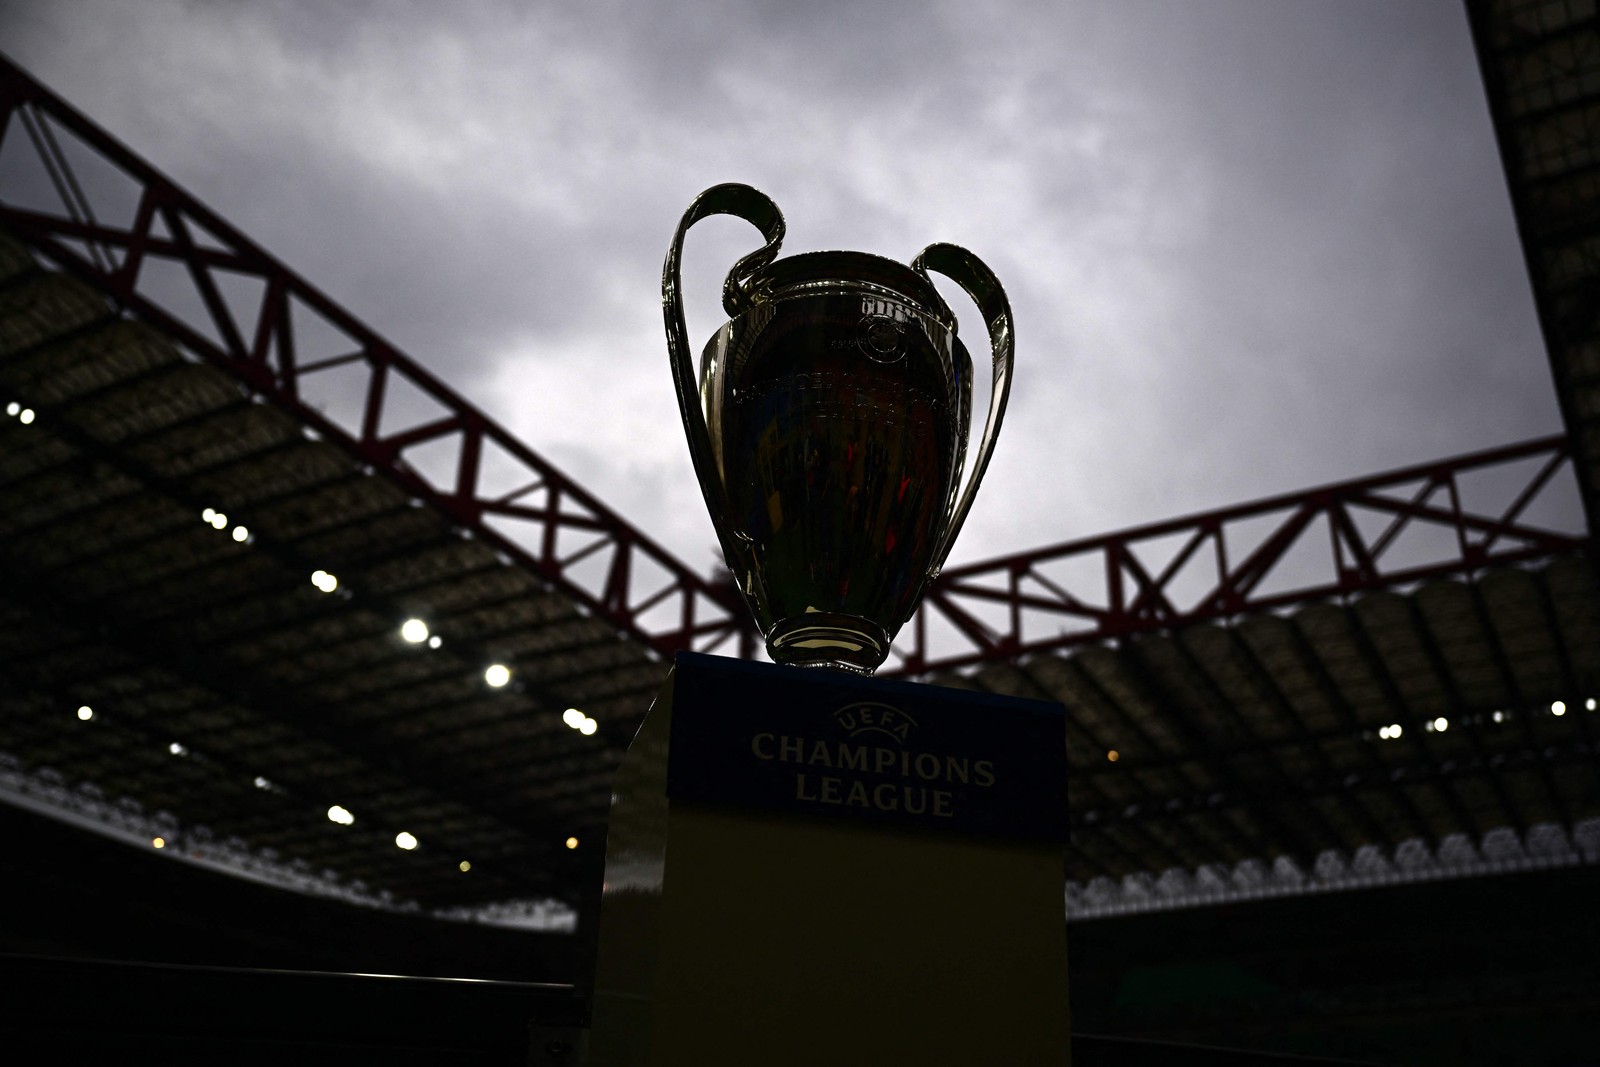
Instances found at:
x=828 y=427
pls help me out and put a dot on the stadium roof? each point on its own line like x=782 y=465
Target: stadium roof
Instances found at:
x=1541 y=69
x=160 y=530
x=1442 y=730
x=222 y=499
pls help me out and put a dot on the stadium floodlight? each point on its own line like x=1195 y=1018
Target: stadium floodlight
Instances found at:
x=588 y=727
x=1558 y=708
x=13 y=409
x=340 y=815
x=497 y=675
x=26 y=416
x=85 y=713
x=405 y=840
x=241 y=534
x=573 y=717
x=414 y=630
x=324 y=581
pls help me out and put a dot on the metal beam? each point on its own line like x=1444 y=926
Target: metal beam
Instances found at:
x=1017 y=605
x=676 y=609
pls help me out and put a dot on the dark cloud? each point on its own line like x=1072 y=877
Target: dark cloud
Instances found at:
x=1252 y=245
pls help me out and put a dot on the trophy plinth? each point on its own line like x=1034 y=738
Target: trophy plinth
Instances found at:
x=806 y=867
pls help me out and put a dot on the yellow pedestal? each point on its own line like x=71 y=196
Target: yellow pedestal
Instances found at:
x=741 y=936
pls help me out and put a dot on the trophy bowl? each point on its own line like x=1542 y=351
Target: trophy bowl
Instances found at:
x=828 y=425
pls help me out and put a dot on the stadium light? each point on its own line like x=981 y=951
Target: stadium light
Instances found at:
x=414 y=630
x=435 y=641
x=177 y=749
x=405 y=840
x=13 y=409
x=324 y=581
x=579 y=721
x=85 y=713
x=497 y=675
x=1558 y=708
x=26 y=416
x=572 y=842
x=340 y=815
x=241 y=534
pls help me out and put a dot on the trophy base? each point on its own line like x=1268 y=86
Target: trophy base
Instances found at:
x=761 y=908
x=829 y=639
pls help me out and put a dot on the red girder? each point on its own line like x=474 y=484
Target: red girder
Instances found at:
x=998 y=609
x=572 y=540
x=1022 y=604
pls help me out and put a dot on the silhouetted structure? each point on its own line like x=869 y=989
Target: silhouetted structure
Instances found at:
x=1386 y=686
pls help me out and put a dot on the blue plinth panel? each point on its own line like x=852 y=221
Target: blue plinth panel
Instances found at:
x=814 y=742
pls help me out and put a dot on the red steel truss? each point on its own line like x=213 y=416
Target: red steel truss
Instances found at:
x=229 y=303
x=289 y=343
x=1450 y=518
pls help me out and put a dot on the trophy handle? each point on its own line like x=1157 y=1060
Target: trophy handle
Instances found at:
x=969 y=272
x=756 y=208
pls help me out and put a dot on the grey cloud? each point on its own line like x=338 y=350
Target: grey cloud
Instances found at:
x=1252 y=245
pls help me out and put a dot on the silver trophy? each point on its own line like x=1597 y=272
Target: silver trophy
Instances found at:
x=828 y=427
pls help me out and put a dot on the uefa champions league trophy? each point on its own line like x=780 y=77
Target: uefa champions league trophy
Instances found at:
x=828 y=427
x=786 y=848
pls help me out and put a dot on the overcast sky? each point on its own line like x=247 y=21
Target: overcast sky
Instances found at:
x=1252 y=245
